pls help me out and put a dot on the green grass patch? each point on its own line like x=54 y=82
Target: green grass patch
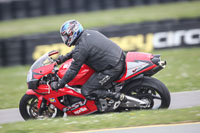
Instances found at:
x=109 y=120
x=182 y=70
x=181 y=74
x=12 y=85
x=101 y=18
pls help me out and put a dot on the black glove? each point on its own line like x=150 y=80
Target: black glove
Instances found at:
x=60 y=59
x=55 y=85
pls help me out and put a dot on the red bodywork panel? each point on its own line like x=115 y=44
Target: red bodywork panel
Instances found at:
x=52 y=97
x=83 y=75
x=134 y=57
x=44 y=70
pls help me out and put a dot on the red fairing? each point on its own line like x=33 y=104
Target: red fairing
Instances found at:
x=83 y=75
x=133 y=56
x=43 y=88
x=40 y=72
x=137 y=63
x=52 y=97
x=89 y=108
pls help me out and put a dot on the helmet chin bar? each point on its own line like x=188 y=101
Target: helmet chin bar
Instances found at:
x=65 y=38
x=66 y=42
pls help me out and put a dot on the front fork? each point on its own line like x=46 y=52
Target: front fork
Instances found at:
x=41 y=104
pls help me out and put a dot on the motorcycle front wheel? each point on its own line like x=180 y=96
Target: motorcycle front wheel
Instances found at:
x=28 y=109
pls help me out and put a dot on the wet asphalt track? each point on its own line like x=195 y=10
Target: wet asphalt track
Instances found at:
x=178 y=100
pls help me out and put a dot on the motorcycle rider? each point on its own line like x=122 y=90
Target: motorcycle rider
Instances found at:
x=98 y=52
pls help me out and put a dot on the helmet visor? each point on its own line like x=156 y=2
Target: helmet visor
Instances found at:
x=65 y=38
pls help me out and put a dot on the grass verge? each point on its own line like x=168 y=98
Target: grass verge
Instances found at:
x=101 y=18
x=110 y=120
x=181 y=74
x=182 y=70
x=12 y=85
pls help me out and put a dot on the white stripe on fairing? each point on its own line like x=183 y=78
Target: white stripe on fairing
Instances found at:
x=133 y=67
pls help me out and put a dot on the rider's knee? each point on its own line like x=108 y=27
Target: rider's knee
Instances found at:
x=84 y=92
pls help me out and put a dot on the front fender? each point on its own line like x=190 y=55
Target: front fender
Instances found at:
x=40 y=98
x=31 y=92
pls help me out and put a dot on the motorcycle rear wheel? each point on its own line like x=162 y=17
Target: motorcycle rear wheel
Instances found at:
x=28 y=109
x=150 y=90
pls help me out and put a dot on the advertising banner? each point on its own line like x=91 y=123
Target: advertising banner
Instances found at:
x=142 y=37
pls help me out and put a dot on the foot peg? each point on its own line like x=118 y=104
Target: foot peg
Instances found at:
x=123 y=98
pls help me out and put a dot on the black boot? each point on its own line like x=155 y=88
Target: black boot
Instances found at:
x=116 y=96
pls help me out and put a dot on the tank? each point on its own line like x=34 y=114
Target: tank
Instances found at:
x=83 y=75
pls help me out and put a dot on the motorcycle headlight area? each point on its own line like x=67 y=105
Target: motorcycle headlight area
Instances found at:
x=32 y=83
x=29 y=76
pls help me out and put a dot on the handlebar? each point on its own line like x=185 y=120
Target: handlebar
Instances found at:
x=53 y=52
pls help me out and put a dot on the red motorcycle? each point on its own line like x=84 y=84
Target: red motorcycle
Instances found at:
x=141 y=90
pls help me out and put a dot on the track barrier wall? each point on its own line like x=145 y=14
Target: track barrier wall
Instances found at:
x=130 y=37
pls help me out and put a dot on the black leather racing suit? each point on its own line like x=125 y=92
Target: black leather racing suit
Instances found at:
x=101 y=54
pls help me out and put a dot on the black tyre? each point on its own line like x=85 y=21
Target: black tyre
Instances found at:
x=150 y=90
x=28 y=109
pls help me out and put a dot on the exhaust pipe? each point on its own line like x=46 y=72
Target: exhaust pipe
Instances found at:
x=132 y=99
x=162 y=63
x=133 y=102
